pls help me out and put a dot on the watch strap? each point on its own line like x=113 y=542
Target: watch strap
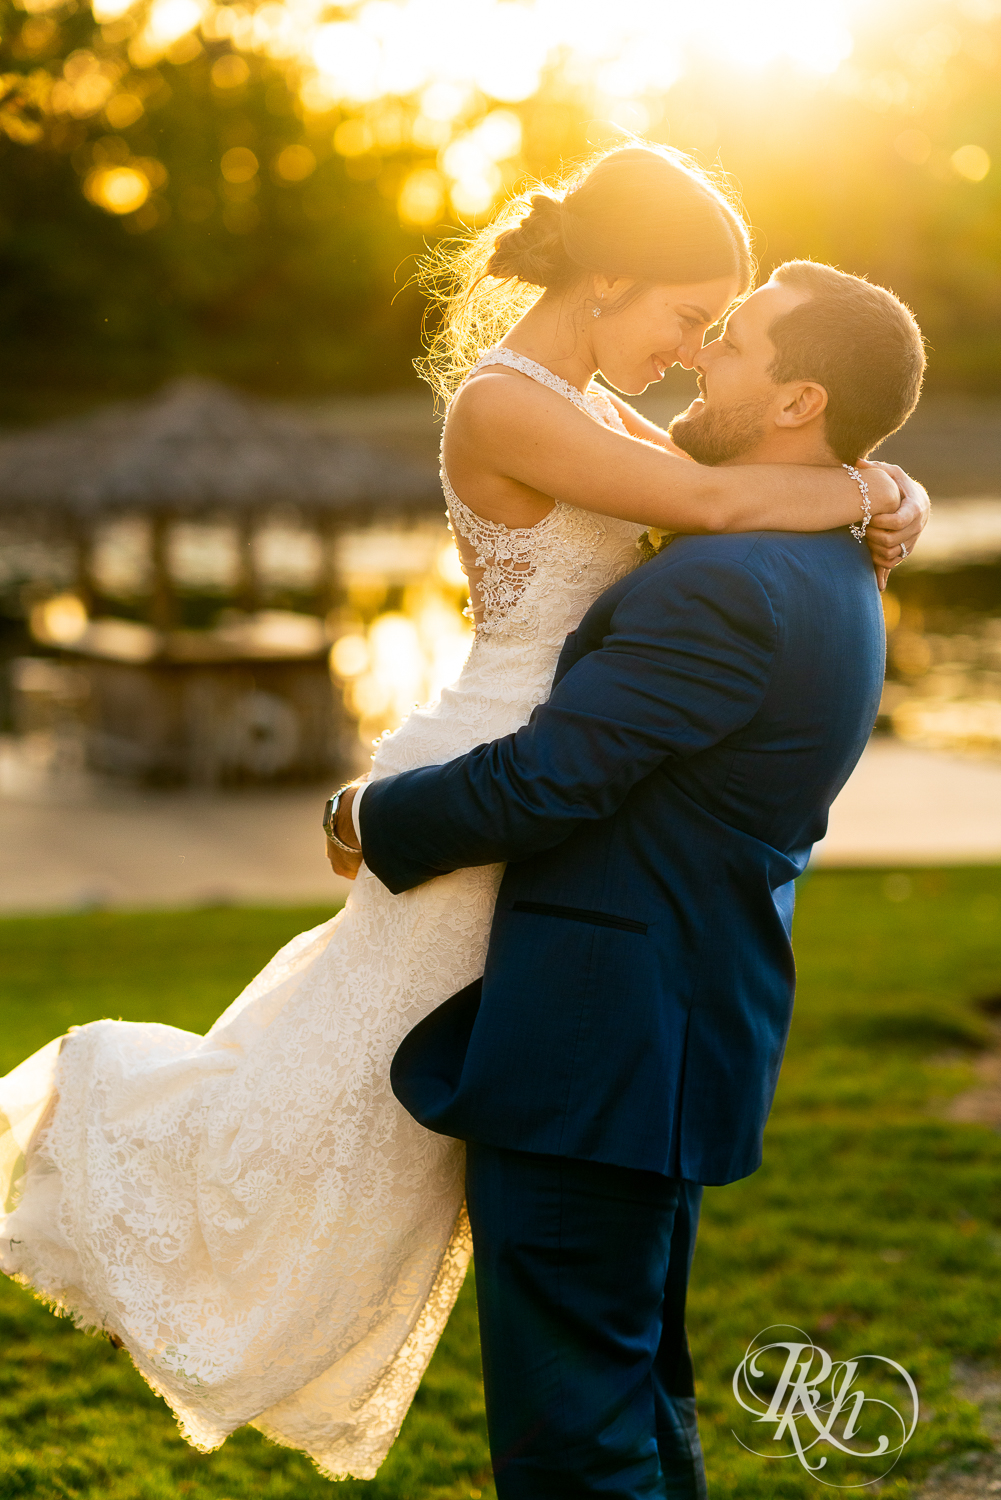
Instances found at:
x=329 y=818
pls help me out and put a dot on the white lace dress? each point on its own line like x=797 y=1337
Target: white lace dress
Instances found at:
x=251 y=1212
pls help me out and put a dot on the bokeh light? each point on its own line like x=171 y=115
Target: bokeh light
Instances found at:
x=239 y=164
x=457 y=64
x=386 y=658
x=404 y=658
x=295 y=163
x=60 y=620
x=349 y=656
x=353 y=138
x=123 y=110
x=170 y=19
x=230 y=71
x=449 y=567
x=422 y=197
x=86 y=85
x=971 y=162
x=447 y=77
x=118 y=190
x=109 y=10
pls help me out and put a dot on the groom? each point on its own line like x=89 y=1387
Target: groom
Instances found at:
x=623 y=1046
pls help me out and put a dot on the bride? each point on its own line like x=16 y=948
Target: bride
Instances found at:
x=251 y=1213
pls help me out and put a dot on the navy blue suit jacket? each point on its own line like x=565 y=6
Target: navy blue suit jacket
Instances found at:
x=654 y=814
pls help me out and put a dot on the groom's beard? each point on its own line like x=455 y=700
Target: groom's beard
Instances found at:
x=715 y=436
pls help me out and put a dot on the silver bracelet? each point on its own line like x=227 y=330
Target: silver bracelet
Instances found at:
x=858 y=532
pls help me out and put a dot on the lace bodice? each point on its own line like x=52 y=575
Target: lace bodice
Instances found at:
x=500 y=561
x=531 y=587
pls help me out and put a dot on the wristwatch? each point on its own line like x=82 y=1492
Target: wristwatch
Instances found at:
x=329 y=816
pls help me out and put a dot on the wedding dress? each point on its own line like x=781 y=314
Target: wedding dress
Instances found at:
x=251 y=1212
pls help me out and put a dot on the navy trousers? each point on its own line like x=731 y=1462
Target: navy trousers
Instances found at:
x=581 y=1276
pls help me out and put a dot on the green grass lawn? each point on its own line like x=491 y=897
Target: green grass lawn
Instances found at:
x=874 y=1224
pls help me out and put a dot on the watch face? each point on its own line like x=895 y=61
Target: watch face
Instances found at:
x=328 y=817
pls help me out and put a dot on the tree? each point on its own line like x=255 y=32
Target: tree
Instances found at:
x=188 y=185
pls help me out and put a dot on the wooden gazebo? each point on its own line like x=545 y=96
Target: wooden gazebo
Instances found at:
x=249 y=700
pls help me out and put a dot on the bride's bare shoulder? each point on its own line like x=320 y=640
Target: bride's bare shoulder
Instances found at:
x=498 y=400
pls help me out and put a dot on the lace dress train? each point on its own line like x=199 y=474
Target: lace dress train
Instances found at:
x=268 y=1232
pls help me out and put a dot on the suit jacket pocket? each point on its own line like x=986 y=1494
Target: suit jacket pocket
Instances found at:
x=580 y=914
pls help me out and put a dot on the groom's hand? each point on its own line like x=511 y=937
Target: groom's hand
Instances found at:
x=342 y=863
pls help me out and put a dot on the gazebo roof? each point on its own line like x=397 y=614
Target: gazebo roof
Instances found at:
x=196 y=445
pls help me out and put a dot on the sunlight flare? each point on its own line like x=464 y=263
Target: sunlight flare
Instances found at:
x=385 y=47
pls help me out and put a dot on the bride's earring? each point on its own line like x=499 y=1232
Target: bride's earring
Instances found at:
x=596 y=311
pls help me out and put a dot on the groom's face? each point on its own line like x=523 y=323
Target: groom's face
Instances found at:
x=738 y=403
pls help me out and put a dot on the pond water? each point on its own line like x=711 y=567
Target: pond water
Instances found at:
x=943 y=618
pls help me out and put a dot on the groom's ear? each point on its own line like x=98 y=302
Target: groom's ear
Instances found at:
x=801 y=403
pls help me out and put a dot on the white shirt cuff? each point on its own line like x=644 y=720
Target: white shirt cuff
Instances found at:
x=355 y=806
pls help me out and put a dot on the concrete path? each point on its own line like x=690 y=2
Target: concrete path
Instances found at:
x=68 y=842
x=905 y=806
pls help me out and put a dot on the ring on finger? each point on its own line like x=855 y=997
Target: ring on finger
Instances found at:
x=903 y=551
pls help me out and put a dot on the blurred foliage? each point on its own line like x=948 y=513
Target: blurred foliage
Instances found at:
x=184 y=187
x=278 y=284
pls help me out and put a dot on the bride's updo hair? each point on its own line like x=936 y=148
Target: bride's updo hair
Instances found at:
x=646 y=213
x=533 y=250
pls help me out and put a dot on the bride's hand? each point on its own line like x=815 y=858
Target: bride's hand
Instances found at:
x=893 y=535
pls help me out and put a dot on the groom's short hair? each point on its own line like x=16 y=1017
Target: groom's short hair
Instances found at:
x=860 y=343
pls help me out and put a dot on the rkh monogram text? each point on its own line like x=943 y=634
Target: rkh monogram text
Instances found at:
x=815 y=1400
